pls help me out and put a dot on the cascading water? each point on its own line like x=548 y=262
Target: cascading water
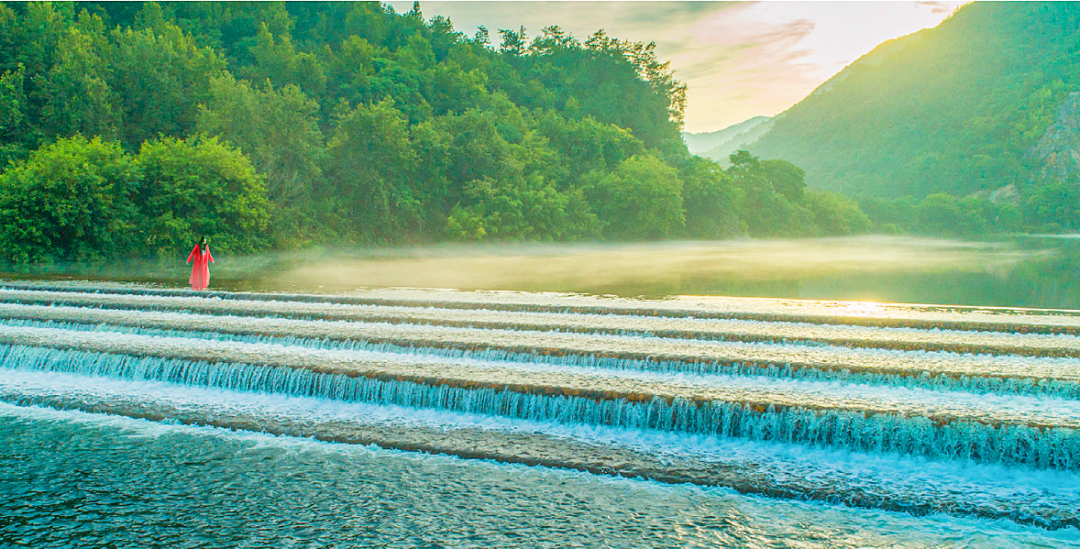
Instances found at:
x=967 y=412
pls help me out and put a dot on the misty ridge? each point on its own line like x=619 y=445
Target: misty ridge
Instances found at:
x=967 y=128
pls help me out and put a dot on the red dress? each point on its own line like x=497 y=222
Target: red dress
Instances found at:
x=200 y=268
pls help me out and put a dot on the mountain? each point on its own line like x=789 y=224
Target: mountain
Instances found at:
x=963 y=108
x=723 y=151
x=701 y=143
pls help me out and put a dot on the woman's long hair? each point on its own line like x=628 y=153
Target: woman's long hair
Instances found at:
x=203 y=245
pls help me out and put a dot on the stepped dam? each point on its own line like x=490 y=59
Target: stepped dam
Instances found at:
x=823 y=423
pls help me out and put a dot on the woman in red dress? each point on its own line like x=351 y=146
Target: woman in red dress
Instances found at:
x=200 y=259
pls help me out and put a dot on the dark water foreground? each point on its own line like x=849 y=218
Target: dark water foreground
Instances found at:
x=137 y=416
x=81 y=480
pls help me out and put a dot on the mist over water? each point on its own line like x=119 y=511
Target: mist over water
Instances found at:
x=1018 y=272
x=651 y=269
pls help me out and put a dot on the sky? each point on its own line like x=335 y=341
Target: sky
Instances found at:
x=738 y=59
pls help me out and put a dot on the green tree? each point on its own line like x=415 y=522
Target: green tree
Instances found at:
x=709 y=199
x=1054 y=206
x=278 y=60
x=513 y=42
x=370 y=168
x=161 y=76
x=71 y=200
x=14 y=124
x=276 y=128
x=770 y=194
x=522 y=208
x=939 y=214
x=836 y=214
x=200 y=186
x=585 y=144
x=640 y=200
x=76 y=93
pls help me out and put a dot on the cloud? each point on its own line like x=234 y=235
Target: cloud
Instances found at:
x=938 y=7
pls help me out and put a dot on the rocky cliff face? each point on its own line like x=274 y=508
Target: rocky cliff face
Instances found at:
x=1056 y=156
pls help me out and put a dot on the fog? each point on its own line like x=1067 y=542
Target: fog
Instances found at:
x=587 y=268
x=1022 y=272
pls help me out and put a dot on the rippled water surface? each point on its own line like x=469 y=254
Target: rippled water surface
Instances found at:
x=79 y=480
x=136 y=416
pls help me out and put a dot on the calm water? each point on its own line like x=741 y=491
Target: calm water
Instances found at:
x=1017 y=272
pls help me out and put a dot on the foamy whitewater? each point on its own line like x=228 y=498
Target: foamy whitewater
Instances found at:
x=405 y=418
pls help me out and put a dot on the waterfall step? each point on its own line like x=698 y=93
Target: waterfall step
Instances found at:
x=1018 y=374
x=922 y=409
x=907 y=339
x=989 y=319
x=893 y=482
x=1041 y=432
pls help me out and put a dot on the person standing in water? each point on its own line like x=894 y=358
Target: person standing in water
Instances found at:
x=200 y=260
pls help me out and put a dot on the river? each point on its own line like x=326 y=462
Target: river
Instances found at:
x=550 y=396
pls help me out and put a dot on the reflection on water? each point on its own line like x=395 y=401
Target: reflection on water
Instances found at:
x=76 y=480
x=1021 y=272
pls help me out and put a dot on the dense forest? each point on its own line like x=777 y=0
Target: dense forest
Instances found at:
x=951 y=129
x=129 y=129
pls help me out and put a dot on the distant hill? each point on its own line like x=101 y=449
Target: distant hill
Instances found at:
x=701 y=143
x=979 y=103
x=723 y=151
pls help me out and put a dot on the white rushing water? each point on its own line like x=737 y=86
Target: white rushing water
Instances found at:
x=870 y=416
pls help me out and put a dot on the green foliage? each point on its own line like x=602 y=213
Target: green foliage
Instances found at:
x=836 y=214
x=161 y=76
x=710 y=200
x=1055 y=207
x=942 y=214
x=277 y=60
x=76 y=92
x=586 y=144
x=14 y=124
x=71 y=200
x=200 y=186
x=289 y=124
x=771 y=193
x=520 y=209
x=276 y=128
x=370 y=168
x=641 y=199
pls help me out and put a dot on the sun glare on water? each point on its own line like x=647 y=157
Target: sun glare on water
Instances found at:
x=863 y=308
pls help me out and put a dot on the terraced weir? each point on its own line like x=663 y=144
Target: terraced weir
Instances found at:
x=919 y=410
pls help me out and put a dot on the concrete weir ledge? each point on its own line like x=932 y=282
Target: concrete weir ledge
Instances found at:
x=940 y=408
x=906 y=339
x=698 y=356
x=986 y=319
x=744 y=476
